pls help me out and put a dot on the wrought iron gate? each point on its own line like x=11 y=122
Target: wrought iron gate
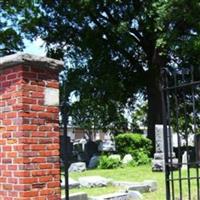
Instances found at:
x=181 y=119
x=65 y=147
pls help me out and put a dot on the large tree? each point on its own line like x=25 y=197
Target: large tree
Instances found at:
x=119 y=48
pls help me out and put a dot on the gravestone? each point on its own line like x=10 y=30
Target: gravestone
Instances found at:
x=108 y=145
x=71 y=183
x=91 y=148
x=93 y=181
x=78 y=196
x=127 y=159
x=132 y=195
x=77 y=167
x=94 y=161
x=184 y=160
x=145 y=186
x=83 y=142
x=158 y=163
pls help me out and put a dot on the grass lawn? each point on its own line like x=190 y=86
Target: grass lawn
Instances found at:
x=135 y=174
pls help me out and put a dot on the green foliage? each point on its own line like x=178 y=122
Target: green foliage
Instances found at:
x=108 y=163
x=141 y=157
x=139 y=116
x=116 y=49
x=12 y=14
x=127 y=142
x=90 y=115
x=136 y=145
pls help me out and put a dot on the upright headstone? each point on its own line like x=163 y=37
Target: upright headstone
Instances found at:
x=83 y=142
x=159 y=138
x=184 y=160
x=158 y=163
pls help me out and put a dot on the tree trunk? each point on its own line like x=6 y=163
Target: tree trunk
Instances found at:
x=154 y=114
x=154 y=110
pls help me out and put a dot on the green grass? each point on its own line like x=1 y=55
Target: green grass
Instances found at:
x=97 y=191
x=134 y=174
x=193 y=183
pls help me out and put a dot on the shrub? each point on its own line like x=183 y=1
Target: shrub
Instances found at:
x=141 y=158
x=136 y=145
x=108 y=163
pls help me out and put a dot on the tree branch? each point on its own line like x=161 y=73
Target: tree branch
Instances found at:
x=136 y=36
x=113 y=42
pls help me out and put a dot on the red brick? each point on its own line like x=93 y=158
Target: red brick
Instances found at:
x=37 y=95
x=11 y=154
x=45 y=128
x=45 y=179
x=45 y=115
x=11 y=115
x=27 y=114
x=29 y=87
x=38 y=160
x=53 y=184
x=2 y=141
x=7 y=186
x=21 y=107
x=12 y=180
x=7 y=122
x=29 y=193
x=7 y=148
x=29 y=144
x=28 y=100
x=3 y=179
x=38 y=147
x=22 y=174
x=53 y=84
x=7 y=173
x=12 y=167
x=22 y=160
x=11 y=76
x=28 y=180
x=45 y=166
x=52 y=109
x=22 y=187
x=11 y=128
x=38 y=134
x=46 y=192
x=39 y=173
x=37 y=108
x=28 y=128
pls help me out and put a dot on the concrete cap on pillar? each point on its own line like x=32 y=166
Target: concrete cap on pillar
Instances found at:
x=29 y=59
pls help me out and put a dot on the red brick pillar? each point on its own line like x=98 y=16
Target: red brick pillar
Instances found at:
x=29 y=128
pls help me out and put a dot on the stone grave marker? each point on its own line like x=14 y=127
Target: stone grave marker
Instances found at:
x=158 y=163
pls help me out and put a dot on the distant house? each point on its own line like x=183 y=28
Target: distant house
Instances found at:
x=76 y=133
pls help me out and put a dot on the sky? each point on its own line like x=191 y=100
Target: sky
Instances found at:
x=36 y=47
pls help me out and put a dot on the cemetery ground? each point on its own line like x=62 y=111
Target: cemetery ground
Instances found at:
x=132 y=174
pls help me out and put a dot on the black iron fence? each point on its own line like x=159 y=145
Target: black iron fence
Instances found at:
x=181 y=118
